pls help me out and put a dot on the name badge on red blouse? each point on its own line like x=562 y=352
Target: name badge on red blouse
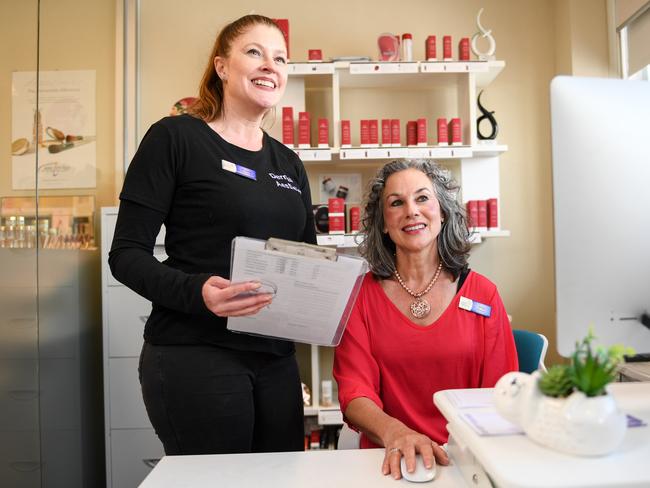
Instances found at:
x=239 y=169
x=474 y=306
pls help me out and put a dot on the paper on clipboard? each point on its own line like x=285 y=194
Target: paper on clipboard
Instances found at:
x=314 y=292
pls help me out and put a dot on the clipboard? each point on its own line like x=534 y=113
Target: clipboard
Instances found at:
x=315 y=289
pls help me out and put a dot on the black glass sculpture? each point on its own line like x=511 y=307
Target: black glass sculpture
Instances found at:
x=489 y=116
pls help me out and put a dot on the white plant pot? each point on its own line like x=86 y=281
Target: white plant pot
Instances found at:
x=579 y=425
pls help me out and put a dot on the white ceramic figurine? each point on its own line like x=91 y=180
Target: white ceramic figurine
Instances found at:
x=577 y=424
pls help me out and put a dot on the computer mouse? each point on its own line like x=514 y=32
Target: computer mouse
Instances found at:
x=421 y=473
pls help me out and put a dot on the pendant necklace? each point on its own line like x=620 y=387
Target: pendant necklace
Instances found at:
x=420 y=308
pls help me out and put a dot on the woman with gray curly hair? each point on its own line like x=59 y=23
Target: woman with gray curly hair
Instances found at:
x=422 y=322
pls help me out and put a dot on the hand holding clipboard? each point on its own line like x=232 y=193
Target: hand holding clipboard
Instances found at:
x=315 y=289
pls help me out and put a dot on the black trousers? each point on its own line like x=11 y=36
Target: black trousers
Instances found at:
x=211 y=400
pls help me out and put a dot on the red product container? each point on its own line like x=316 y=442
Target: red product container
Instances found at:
x=337 y=224
x=430 y=48
x=374 y=132
x=287 y=126
x=472 y=213
x=411 y=133
x=355 y=219
x=315 y=55
x=422 y=132
x=443 y=137
x=482 y=214
x=346 y=138
x=314 y=439
x=385 y=132
x=455 y=135
x=463 y=49
x=336 y=206
x=283 y=24
x=323 y=132
x=493 y=214
x=303 y=129
x=446 y=48
x=395 y=132
x=365 y=132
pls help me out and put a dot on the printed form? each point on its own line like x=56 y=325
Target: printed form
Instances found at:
x=313 y=295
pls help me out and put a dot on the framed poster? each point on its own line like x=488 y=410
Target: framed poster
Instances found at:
x=62 y=130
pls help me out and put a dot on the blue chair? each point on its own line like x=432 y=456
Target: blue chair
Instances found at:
x=531 y=350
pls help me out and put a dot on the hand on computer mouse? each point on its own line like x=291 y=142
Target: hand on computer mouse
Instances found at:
x=402 y=441
x=420 y=473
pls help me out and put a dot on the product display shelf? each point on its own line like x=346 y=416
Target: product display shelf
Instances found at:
x=345 y=154
x=353 y=240
x=453 y=82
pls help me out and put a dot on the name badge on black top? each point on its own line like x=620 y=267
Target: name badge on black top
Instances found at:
x=239 y=169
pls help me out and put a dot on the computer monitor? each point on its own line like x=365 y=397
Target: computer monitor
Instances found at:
x=601 y=197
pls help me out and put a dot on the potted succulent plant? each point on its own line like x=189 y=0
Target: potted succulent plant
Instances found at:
x=568 y=408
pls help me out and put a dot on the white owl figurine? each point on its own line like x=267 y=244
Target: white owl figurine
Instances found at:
x=577 y=424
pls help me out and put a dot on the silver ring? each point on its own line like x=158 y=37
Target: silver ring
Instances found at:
x=392 y=450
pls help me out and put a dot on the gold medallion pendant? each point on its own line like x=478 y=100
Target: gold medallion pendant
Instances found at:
x=420 y=308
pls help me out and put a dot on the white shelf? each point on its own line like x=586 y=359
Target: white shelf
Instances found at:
x=424 y=152
x=311 y=411
x=477 y=237
x=454 y=66
x=417 y=74
x=314 y=154
x=301 y=69
x=488 y=149
x=399 y=152
x=383 y=68
x=339 y=240
x=353 y=240
x=326 y=415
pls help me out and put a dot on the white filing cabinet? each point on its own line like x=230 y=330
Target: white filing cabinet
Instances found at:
x=132 y=447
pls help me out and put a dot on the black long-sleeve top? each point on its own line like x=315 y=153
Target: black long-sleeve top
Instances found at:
x=182 y=175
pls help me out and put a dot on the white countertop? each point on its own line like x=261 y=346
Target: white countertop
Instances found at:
x=357 y=468
x=514 y=461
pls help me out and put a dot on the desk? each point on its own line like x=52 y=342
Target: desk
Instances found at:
x=634 y=371
x=514 y=461
x=357 y=468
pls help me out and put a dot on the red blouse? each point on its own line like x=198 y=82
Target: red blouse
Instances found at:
x=399 y=365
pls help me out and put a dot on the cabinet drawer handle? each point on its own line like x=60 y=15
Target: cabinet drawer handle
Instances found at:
x=144 y=318
x=25 y=466
x=150 y=462
x=23 y=395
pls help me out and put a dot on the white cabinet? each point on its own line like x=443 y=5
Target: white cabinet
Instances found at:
x=134 y=453
x=132 y=447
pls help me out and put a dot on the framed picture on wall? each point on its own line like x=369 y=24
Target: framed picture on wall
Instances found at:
x=61 y=130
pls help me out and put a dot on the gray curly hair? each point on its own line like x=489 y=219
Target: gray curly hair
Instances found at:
x=453 y=240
